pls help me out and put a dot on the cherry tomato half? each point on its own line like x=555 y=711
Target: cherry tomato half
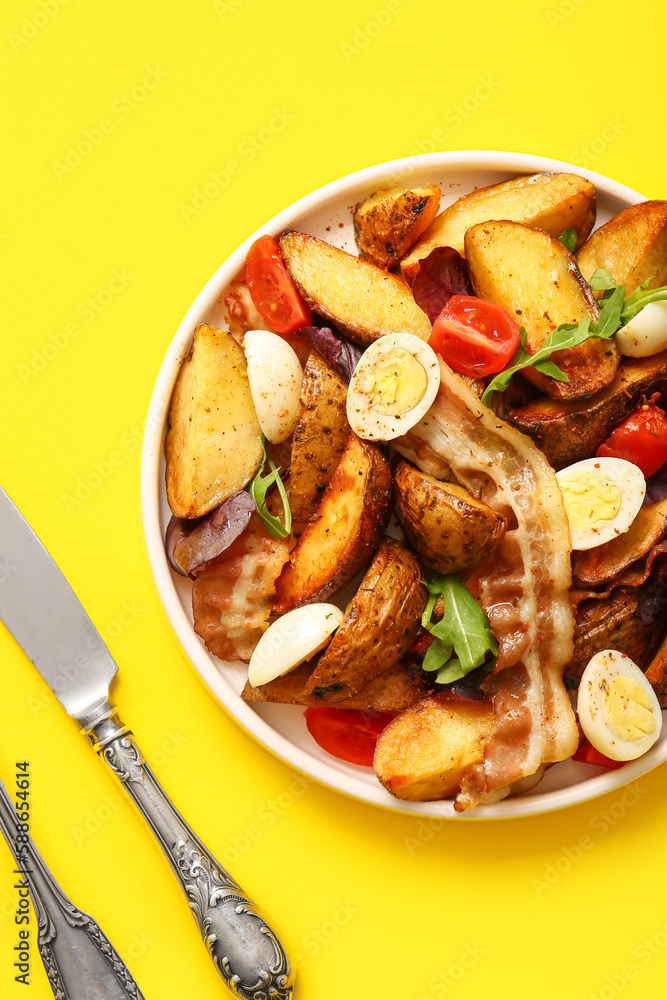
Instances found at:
x=347 y=733
x=271 y=288
x=475 y=337
x=640 y=438
x=587 y=754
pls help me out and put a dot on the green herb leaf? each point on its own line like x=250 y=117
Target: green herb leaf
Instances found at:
x=564 y=336
x=568 y=239
x=258 y=488
x=640 y=298
x=463 y=630
x=601 y=279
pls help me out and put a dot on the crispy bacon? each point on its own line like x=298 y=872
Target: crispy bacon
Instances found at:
x=231 y=598
x=523 y=587
x=242 y=313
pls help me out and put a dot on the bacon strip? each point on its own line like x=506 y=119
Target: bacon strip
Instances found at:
x=231 y=597
x=523 y=587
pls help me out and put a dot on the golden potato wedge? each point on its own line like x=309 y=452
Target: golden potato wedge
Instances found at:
x=320 y=435
x=345 y=531
x=448 y=528
x=536 y=279
x=613 y=623
x=362 y=300
x=632 y=245
x=569 y=431
x=214 y=439
x=388 y=222
x=424 y=753
x=552 y=202
x=380 y=624
x=656 y=673
x=592 y=567
x=393 y=690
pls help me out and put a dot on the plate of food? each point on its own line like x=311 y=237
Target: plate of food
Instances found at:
x=402 y=484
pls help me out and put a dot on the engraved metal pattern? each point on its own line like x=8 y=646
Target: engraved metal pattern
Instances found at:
x=244 y=948
x=63 y=930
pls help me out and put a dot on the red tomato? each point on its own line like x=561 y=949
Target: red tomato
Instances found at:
x=640 y=438
x=347 y=733
x=475 y=337
x=271 y=288
x=587 y=754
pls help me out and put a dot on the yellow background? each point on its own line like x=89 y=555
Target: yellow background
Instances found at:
x=373 y=904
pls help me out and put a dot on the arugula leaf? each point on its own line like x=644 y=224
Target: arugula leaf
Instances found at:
x=601 y=279
x=564 y=336
x=463 y=630
x=258 y=487
x=569 y=239
x=640 y=298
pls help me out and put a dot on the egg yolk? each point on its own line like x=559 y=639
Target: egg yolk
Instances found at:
x=589 y=499
x=627 y=708
x=394 y=383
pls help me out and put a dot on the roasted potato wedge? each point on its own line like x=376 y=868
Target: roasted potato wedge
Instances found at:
x=613 y=623
x=320 y=435
x=592 y=567
x=388 y=222
x=214 y=441
x=380 y=624
x=552 y=202
x=362 y=300
x=345 y=531
x=632 y=245
x=393 y=690
x=424 y=753
x=447 y=527
x=656 y=673
x=569 y=431
x=536 y=279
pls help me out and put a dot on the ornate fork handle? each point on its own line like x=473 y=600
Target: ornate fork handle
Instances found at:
x=244 y=948
x=79 y=960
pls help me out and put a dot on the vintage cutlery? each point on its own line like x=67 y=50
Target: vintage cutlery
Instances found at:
x=44 y=615
x=79 y=960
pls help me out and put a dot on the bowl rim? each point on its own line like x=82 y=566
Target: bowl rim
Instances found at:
x=150 y=491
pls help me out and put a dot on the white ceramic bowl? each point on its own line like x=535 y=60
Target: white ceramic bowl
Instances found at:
x=280 y=728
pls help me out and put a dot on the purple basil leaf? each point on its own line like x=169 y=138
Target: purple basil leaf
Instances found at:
x=336 y=349
x=189 y=548
x=442 y=274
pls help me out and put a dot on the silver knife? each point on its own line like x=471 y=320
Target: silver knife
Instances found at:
x=80 y=962
x=42 y=612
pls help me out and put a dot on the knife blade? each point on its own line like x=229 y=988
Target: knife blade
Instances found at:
x=45 y=617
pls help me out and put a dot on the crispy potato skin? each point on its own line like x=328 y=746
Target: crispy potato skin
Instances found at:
x=423 y=754
x=536 y=278
x=632 y=245
x=320 y=435
x=388 y=222
x=362 y=300
x=448 y=528
x=380 y=625
x=213 y=443
x=393 y=690
x=569 y=431
x=548 y=201
x=656 y=673
x=592 y=567
x=345 y=532
x=612 y=623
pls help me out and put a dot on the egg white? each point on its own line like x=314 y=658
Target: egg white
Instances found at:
x=646 y=333
x=274 y=376
x=631 y=485
x=595 y=680
x=291 y=639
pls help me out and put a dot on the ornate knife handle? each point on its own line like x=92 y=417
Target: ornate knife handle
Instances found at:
x=245 y=950
x=79 y=960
